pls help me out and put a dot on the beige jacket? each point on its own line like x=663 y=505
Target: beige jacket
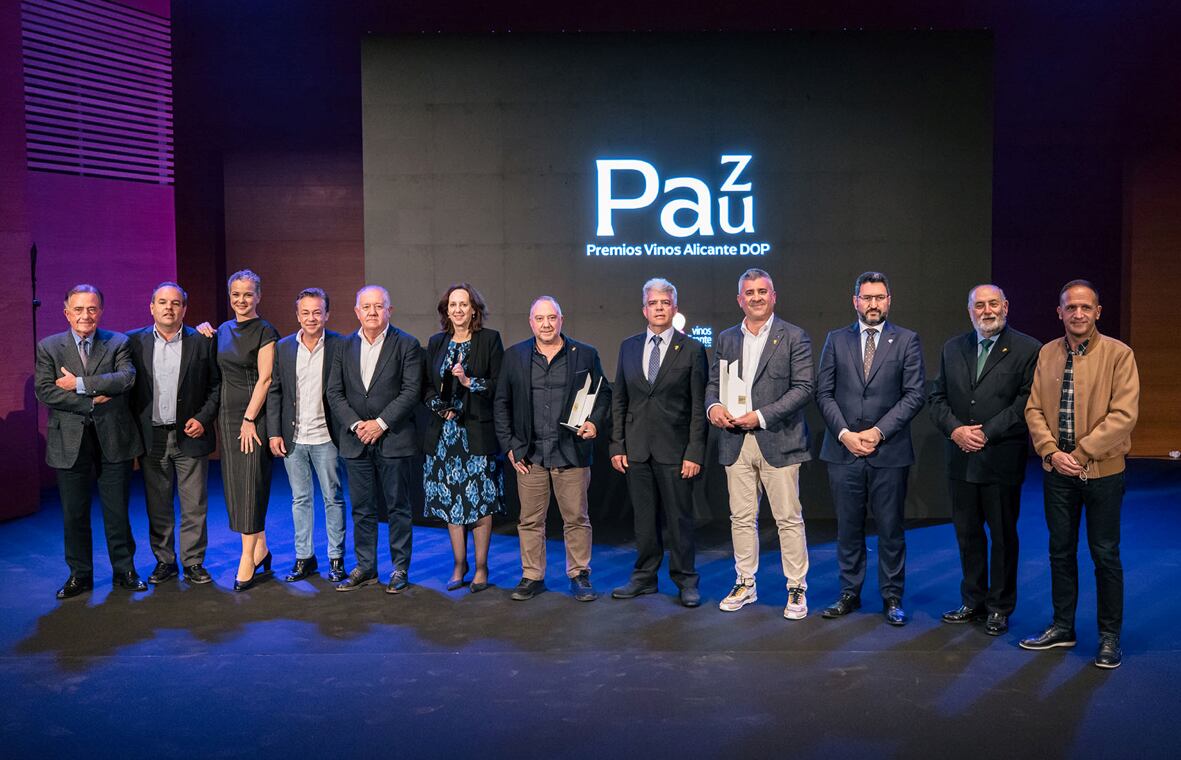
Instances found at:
x=1106 y=403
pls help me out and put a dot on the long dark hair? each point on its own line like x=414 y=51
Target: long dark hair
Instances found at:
x=473 y=297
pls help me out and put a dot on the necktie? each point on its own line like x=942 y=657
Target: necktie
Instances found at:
x=985 y=345
x=869 y=351
x=654 y=359
x=84 y=351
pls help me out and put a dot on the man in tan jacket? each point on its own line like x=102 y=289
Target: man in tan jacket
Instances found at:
x=1081 y=411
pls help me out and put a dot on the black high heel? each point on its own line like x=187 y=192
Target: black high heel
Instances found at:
x=456 y=583
x=264 y=567
x=244 y=585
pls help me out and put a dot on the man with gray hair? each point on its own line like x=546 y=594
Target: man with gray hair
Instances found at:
x=373 y=389
x=540 y=379
x=763 y=439
x=658 y=441
x=978 y=402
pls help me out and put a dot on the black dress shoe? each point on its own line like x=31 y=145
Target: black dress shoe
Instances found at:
x=632 y=589
x=399 y=581
x=357 y=579
x=302 y=569
x=197 y=574
x=964 y=614
x=162 y=572
x=581 y=588
x=527 y=589
x=74 y=586
x=690 y=597
x=1110 y=655
x=130 y=580
x=843 y=606
x=997 y=623
x=1050 y=638
x=892 y=610
x=336 y=572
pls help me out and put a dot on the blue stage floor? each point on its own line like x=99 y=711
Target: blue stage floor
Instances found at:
x=300 y=671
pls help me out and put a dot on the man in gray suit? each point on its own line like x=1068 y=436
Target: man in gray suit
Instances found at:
x=84 y=376
x=764 y=440
x=177 y=392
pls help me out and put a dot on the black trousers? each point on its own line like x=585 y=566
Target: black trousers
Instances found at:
x=857 y=487
x=662 y=499
x=1102 y=498
x=370 y=477
x=114 y=489
x=990 y=577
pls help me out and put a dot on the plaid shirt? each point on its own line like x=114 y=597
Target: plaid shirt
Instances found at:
x=1066 y=400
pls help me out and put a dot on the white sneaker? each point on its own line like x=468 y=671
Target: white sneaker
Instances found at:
x=797 y=604
x=742 y=594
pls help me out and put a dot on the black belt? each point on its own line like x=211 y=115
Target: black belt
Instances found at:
x=171 y=426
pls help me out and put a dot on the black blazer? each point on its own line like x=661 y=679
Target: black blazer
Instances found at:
x=513 y=404
x=282 y=395
x=664 y=421
x=109 y=372
x=996 y=401
x=198 y=393
x=483 y=362
x=392 y=395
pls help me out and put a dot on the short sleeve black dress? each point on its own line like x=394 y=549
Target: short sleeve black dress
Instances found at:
x=246 y=478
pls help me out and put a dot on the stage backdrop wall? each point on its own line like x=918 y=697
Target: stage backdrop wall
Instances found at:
x=856 y=152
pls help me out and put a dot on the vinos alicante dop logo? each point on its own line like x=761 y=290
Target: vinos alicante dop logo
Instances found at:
x=688 y=210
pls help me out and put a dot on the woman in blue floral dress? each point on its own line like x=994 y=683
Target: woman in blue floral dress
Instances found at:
x=463 y=475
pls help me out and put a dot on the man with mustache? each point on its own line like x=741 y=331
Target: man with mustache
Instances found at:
x=869 y=386
x=978 y=402
x=1082 y=409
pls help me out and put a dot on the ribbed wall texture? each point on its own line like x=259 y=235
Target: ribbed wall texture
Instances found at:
x=98 y=90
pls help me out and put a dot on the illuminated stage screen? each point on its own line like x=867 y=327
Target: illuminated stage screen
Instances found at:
x=579 y=165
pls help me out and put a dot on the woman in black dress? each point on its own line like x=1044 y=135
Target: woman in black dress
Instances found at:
x=245 y=355
x=463 y=476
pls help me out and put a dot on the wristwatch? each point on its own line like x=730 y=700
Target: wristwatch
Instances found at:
x=248 y=419
x=1048 y=458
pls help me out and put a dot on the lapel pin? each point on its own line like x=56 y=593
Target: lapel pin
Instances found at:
x=676 y=348
x=775 y=341
x=1004 y=350
x=889 y=340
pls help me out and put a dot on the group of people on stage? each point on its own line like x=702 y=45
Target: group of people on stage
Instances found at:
x=316 y=397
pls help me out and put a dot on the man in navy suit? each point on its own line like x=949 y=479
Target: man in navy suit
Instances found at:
x=762 y=443
x=84 y=376
x=305 y=436
x=374 y=386
x=539 y=381
x=978 y=402
x=176 y=396
x=869 y=387
x=658 y=441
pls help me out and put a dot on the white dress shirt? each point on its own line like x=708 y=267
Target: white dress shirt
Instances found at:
x=369 y=355
x=311 y=424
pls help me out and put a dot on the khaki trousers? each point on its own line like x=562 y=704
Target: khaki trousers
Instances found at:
x=747 y=478
x=569 y=486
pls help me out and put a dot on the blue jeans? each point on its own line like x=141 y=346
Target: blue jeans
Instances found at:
x=301 y=459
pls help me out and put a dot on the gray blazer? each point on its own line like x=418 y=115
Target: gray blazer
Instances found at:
x=782 y=388
x=109 y=372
